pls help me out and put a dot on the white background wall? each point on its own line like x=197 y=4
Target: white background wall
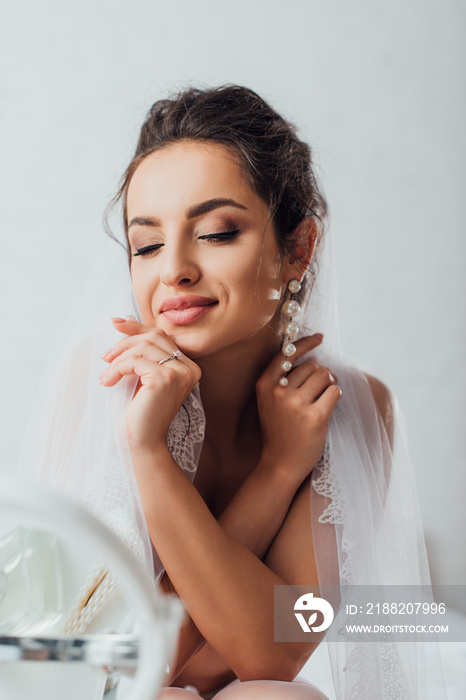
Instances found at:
x=378 y=88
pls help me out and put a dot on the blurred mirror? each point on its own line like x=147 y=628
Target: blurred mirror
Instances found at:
x=79 y=617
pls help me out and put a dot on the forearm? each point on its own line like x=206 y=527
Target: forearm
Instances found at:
x=216 y=576
x=190 y=640
x=257 y=511
x=253 y=517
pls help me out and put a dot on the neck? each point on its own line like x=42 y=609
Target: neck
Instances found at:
x=228 y=386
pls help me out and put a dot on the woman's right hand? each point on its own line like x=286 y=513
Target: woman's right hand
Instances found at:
x=161 y=388
x=295 y=418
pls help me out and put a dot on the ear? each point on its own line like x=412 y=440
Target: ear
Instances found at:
x=305 y=237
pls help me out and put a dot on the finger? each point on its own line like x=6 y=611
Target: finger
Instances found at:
x=131 y=365
x=306 y=344
x=144 y=348
x=156 y=338
x=302 y=349
x=298 y=375
x=138 y=365
x=316 y=383
x=129 y=325
x=303 y=345
x=329 y=399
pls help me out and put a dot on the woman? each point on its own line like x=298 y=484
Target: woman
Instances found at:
x=285 y=453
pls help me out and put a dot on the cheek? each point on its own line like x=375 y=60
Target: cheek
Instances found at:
x=260 y=272
x=269 y=289
x=270 y=278
x=259 y=293
x=257 y=279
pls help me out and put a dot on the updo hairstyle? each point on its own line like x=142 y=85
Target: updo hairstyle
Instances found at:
x=275 y=162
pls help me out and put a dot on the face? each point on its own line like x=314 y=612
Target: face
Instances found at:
x=205 y=264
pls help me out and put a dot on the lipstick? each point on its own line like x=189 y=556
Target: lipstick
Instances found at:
x=186 y=309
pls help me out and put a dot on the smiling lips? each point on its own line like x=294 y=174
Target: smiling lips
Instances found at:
x=186 y=309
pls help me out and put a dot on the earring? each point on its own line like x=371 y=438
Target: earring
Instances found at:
x=290 y=329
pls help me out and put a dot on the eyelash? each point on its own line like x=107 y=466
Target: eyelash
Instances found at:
x=221 y=236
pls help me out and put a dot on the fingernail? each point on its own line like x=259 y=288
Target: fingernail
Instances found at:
x=318 y=335
x=131 y=318
x=103 y=374
x=104 y=354
x=117 y=319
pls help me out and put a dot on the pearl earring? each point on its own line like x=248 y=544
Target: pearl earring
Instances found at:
x=290 y=329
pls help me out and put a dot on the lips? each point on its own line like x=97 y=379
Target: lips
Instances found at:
x=186 y=309
x=187 y=301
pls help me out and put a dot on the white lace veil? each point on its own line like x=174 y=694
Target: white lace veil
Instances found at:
x=366 y=524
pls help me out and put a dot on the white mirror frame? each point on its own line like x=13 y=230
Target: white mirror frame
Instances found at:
x=150 y=608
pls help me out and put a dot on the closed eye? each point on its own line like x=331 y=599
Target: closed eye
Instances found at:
x=148 y=249
x=221 y=236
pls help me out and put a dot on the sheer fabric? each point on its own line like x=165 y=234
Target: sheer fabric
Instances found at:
x=366 y=524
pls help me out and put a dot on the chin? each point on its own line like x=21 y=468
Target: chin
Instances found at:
x=192 y=345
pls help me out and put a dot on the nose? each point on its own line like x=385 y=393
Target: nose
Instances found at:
x=179 y=265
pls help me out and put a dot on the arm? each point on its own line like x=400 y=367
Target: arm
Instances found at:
x=227 y=590
x=218 y=578
x=295 y=536
x=253 y=517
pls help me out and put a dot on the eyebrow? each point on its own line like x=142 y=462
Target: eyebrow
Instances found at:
x=192 y=213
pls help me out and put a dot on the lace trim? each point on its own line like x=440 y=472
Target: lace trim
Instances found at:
x=335 y=513
x=362 y=660
x=390 y=675
x=326 y=486
x=186 y=434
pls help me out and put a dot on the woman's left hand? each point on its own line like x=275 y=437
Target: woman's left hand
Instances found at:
x=295 y=418
x=161 y=389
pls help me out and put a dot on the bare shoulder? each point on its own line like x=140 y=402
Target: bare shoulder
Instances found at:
x=380 y=392
x=384 y=402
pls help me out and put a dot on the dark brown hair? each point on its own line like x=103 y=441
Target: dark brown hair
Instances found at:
x=276 y=163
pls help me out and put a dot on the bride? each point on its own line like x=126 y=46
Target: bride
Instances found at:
x=252 y=455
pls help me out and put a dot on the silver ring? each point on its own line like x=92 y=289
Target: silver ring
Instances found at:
x=174 y=356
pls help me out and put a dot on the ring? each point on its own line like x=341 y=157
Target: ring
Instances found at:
x=174 y=356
